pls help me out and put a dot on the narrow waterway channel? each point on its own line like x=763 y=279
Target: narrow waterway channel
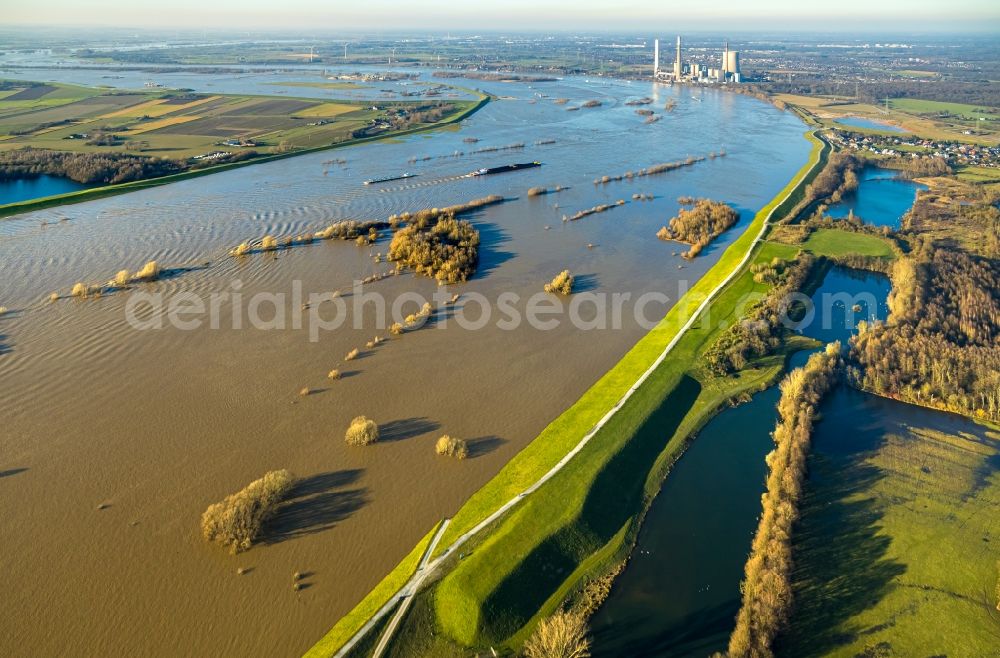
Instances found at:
x=680 y=592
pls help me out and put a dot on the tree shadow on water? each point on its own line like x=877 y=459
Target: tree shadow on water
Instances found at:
x=491 y=257
x=398 y=430
x=315 y=504
x=585 y=282
x=483 y=445
x=611 y=501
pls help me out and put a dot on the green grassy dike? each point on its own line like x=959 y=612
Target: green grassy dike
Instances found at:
x=585 y=517
x=351 y=623
x=16 y=208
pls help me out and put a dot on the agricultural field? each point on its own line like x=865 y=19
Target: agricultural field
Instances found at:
x=957 y=110
x=181 y=125
x=928 y=119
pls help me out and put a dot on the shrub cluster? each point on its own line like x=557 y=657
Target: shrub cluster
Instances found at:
x=563 y=635
x=766 y=587
x=450 y=446
x=361 y=432
x=699 y=225
x=237 y=521
x=650 y=171
x=561 y=284
x=437 y=245
x=759 y=333
x=604 y=207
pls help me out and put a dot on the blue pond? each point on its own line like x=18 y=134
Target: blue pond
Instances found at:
x=858 y=122
x=25 y=189
x=881 y=198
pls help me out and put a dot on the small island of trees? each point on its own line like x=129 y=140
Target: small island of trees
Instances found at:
x=437 y=245
x=698 y=225
x=237 y=521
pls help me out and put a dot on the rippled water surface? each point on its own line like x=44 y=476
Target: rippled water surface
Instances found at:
x=118 y=439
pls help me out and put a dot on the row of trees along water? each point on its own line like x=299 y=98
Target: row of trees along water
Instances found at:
x=766 y=587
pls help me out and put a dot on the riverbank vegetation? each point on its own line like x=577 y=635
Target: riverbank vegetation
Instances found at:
x=86 y=168
x=766 y=587
x=563 y=635
x=541 y=191
x=700 y=224
x=505 y=571
x=602 y=207
x=838 y=177
x=237 y=521
x=656 y=169
x=761 y=330
x=941 y=345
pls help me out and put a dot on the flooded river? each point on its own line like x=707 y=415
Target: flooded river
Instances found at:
x=114 y=440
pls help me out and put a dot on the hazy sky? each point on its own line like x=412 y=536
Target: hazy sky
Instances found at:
x=335 y=15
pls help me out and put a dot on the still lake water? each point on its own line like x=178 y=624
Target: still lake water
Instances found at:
x=859 y=122
x=680 y=593
x=24 y=189
x=881 y=198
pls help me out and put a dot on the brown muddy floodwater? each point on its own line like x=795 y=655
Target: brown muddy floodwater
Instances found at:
x=114 y=440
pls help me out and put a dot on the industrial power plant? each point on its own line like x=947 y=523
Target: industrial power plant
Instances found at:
x=727 y=72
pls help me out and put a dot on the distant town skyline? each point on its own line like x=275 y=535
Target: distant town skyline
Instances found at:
x=776 y=15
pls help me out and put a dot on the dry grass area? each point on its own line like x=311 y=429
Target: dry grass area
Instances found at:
x=162 y=123
x=157 y=108
x=327 y=110
x=563 y=635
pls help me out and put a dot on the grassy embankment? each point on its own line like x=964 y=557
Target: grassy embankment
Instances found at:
x=563 y=434
x=464 y=110
x=588 y=535
x=895 y=548
x=385 y=590
x=584 y=520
